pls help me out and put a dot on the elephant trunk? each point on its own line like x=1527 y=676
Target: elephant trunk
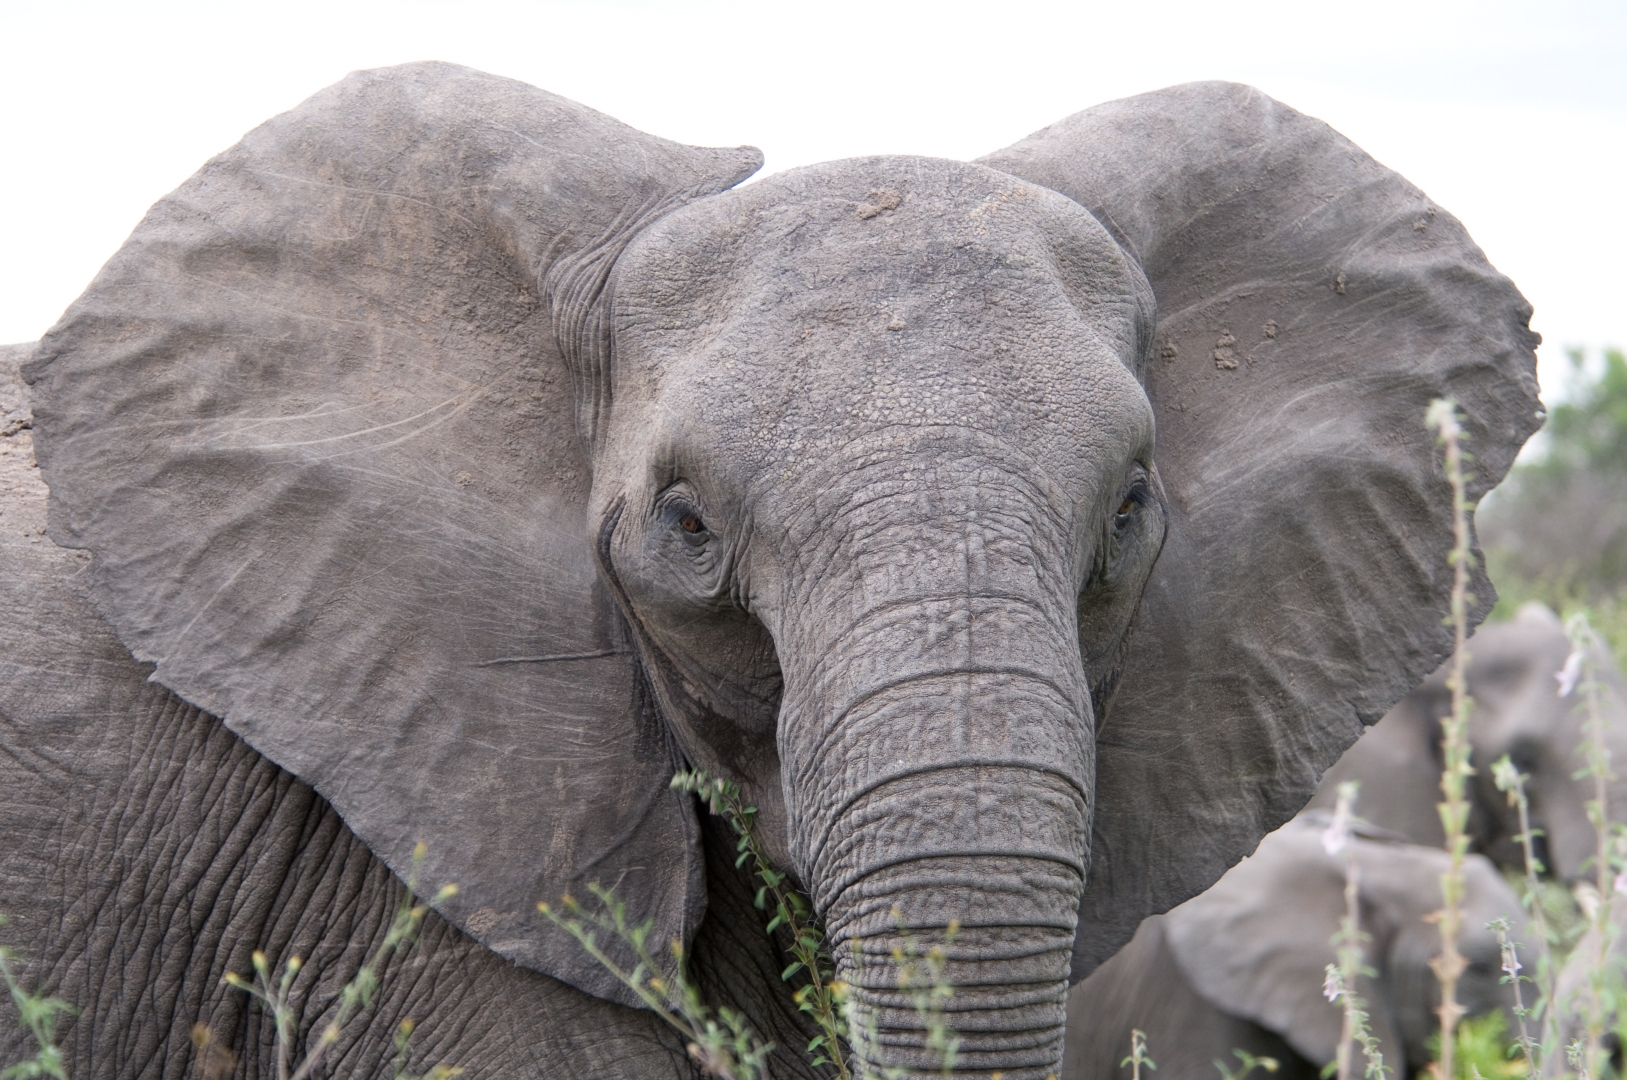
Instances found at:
x=950 y=849
x=1006 y=964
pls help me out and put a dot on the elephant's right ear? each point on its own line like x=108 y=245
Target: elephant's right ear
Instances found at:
x=1311 y=303
x=323 y=422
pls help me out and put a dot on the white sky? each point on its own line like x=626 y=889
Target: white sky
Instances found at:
x=1511 y=115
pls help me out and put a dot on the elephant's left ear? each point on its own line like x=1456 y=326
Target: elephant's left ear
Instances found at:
x=1311 y=303
x=322 y=422
x=1257 y=944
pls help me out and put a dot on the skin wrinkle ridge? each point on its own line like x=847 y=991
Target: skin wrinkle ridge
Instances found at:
x=818 y=674
x=883 y=781
x=1023 y=676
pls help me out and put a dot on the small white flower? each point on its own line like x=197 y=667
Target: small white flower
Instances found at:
x=1335 y=837
x=1332 y=985
x=1570 y=674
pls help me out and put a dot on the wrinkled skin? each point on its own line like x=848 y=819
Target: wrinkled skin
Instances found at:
x=1241 y=966
x=1518 y=712
x=480 y=461
x=150 y=851
x=950 y=534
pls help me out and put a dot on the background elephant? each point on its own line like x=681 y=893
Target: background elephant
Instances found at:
x=460 y=456
x=1594 y=954
x=1518 y=711
x=1241 y=966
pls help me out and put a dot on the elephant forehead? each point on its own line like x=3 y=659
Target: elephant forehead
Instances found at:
x=886 y=292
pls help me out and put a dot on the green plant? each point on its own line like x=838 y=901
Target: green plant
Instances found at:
x=789 y=909
x=1529 y=1047
x=39 y=1015
x=1348 y=947
x=723 y=1046
x=357 y=994
x=1580 y=675
x=1556 y=529
x=1511 y=782
x=1556 y=533
x=1443 y=418
x=1246 y=1064
x=1483 y=1051
x=403 y=1048
x=1138 y=1058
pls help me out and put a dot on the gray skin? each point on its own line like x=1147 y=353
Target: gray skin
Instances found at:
x=1242 y=966
x=456 y=463
x=1592 y=954
x=1518 y=712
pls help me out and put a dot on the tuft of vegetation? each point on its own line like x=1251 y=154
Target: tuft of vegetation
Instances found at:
x=1579 y=676
x=1482 y=1050
x=1246 y=1064
x=721 y=1041
x=273 y=992
x=39 y=1015
x=1443 y=418
x=1555 y=531
x=1138 y=1058
x=786 y=907
x=722 y=1044
x=1511 y=782
x=1349 y=944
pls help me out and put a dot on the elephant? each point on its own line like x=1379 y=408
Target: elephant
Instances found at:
x=448 y=463
x=1517 y=711
x=1595 y=954
x=1240 y=967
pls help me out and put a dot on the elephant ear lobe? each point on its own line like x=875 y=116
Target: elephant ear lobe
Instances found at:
x=1311 y=304
x=317 y=420
x=1256 y=945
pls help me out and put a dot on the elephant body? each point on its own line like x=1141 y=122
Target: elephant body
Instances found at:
x=449 y=463
x=1517 y=711
x=1241 y=966
x=149 y=851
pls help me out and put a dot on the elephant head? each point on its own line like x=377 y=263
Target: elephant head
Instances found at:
x=1255 y=947
x=1518 y=711
x=482 y=461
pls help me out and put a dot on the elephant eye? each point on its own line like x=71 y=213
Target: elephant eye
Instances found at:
x=691 y=524
x=1133 y=498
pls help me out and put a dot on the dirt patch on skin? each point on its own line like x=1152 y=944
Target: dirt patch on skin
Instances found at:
x=22 y=492
x=14 y=415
